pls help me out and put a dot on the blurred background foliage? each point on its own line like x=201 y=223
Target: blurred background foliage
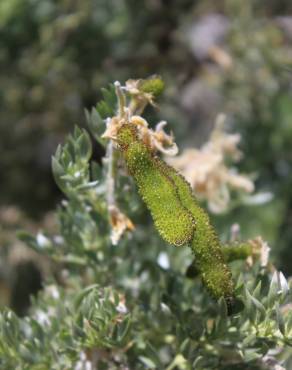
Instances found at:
x=228 y=56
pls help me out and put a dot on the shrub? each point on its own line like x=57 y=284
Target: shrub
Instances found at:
x=118 y=296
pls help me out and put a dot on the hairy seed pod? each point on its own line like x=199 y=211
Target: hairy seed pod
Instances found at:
x=153 y=85
x=175 y=211
x=231 y=252
x=205 y=244
x=172 y=220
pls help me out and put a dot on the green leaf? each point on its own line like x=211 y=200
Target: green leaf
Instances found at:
x=273 y=290
x=58 y=172
x=257 y=291
x=198 y=363
x=147 y=362
x=83 y=294
x=123 y=329
x=254 y=307
x=280 y=320
x=223 y=312
x=96 y=125
x=109 y=96
x=84 y=146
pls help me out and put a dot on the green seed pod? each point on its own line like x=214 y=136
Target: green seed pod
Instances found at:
x=176 y=213
x=231 y=252
x=153 y=85
x=172 y=220
x=205 y=244
x=237 y=251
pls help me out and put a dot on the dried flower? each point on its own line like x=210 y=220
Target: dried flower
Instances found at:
x=143 y=92
x=121 y=307
x=119 y=223
x=162 y=141
x=207 y=172
x=158 y=139
x=133 y=87
x=112 y=126
x=260 y=251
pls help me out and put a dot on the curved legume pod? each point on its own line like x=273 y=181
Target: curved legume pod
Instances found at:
x=172 y=220
x=209 y=258
x=175 y=211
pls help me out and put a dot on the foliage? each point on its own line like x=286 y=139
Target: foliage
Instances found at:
x=131 y=305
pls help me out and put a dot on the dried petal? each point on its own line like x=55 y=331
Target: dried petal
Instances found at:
x=119 y=223
x=206 y=171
